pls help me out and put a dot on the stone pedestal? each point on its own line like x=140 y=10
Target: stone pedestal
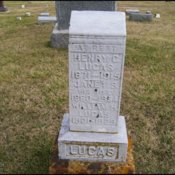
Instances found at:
x=60 y=35
x=88 y=146
x=66 y=166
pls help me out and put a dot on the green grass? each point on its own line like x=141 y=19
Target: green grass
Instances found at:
x=34 y=88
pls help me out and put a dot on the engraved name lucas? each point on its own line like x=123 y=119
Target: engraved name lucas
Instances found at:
x=99 y=152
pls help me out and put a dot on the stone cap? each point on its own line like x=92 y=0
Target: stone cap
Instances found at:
x=98 y=23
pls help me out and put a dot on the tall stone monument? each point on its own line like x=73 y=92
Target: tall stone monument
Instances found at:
x=93 y=130
x=93 y=135
x=59 y=37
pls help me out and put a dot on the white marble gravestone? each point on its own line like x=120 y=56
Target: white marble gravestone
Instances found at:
x=93 y=129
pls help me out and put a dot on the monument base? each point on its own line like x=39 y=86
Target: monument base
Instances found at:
x=61 y=166
x=59 y=38
x=93 y=146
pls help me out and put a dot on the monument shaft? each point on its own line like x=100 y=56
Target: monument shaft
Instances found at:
x=95 y=80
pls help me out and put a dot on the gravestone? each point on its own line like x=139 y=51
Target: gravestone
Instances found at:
x=44 y=14
x=46 y=19
x=59 y=37
x=128 y=11
x=2 y=8
x=93 y=130
x=141 y=17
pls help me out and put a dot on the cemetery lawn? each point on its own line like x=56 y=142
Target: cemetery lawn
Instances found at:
x=34 y=88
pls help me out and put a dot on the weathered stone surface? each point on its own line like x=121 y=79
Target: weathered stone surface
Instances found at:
x=128 y=11
x=46 y=19
x=59 y=38
x=64 y=166
x=96 y=61
x=63 y=10
x=140 y=17
x=93 y=129
x=93 y=146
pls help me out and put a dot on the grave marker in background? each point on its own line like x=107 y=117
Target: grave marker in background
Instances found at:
x=59 y=37
x=2 y=8
x=141 y=17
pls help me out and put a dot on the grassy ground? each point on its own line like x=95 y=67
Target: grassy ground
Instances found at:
x=34 y=88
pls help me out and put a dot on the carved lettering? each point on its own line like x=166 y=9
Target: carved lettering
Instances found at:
x=106 y=152
x=95 y=48
x=92 y=150
x=73 y=150
x=95 y=66
x=96 y=57
x=96 y=121
x=88 y=84
x=110 y=152
x=95 y=80
x=101 y=75
x=101 y=152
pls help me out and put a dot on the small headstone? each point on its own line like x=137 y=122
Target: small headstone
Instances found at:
x=148 y=12
x=157 y=15
x=27 y=14
x=22 y=6
x=128 y=11
x=19 y=18
x=44 y=14
x=46 y=19
x=64 y=8
x=141 y=17
x=94 y=130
